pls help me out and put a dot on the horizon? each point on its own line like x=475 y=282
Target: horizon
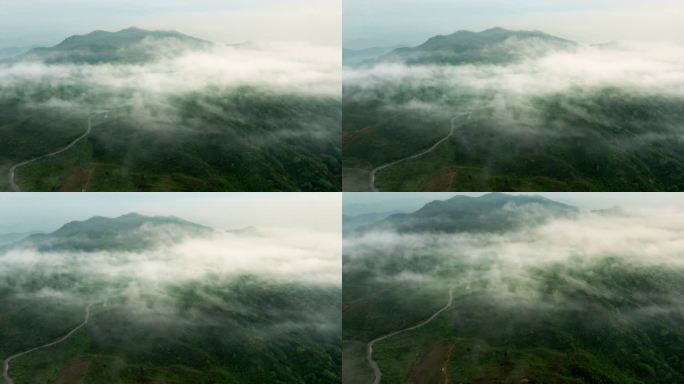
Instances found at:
x=113 y=31
x=360 y=203
x=31 y=212
x=454 y=32
x=410 y=22
x=31 y=23
x=135 y=27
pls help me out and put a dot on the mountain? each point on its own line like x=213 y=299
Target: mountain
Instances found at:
x=8 y=238
x=131 y=232
x=9 y=52
x=351 y=222
x=492 y=46
x=244 y=231
x=131 y=45
x=352 y=57
x=493 y=212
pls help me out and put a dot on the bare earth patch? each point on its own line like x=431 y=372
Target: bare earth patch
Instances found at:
x=434 y=366
x=440 y=182
x=74 y=372
x=78 y=180
x=350 y=137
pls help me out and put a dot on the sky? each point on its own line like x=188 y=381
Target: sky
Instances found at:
x=47 y=22
x=44 y=212
x=362 y=203
x=369 y=23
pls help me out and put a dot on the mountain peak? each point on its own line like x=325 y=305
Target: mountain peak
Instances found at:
x=131 y=215
x=495 y=46
x=492 y=212
x=129 y=232
x=131 y=45
x=496 y=29
x=133 y=29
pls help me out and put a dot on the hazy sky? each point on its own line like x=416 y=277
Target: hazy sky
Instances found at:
x=388 y=22
x=48 y=211
x=360 y=203
x=47 y=22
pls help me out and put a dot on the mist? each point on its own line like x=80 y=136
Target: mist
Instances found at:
x=180 y=278
x=32 y=22
x=518 y=266
x=637 y=68
x=602 y=284
x=194 y=100
x=580 y=20
x=297 y=68
x=624 y=98
x=275 y=254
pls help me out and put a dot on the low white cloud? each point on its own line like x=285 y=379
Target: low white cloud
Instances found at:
x=283 y=255
x=510 y=264
x=646 y=68
x=285 y=67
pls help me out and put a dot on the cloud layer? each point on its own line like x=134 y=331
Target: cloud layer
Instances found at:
x=289 y=256
x=515 y=265
x=638 y=67
x=288 y=67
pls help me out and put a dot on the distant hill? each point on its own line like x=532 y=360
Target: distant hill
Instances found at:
x=8 y=238
x=351 y=222
x=494 y=212
x=245 y=231
x=9 y=52
x=492 y=46
x=131 y=45
x=131 y=232
x=351 y=57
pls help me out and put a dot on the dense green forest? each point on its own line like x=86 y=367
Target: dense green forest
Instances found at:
x=521 y=122
x=153 y=326
x=552 y=297
x=155 y=126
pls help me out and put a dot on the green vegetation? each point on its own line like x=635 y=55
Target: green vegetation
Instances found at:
x=618 y=143
x=131 y=46
x=586 y=317
x=216 y=137
x=178 y=337
x=130 y=232
x=243 y=328
x=246 y=139
x=493 y=212
x=520 y=126
x=465 y=47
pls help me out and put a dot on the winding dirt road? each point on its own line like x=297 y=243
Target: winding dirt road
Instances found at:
x=369 y=349
x=6 y=363
x=13 y=170
x=371 y=178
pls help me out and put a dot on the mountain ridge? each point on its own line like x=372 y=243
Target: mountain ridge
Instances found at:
x=130 y=45
x=491 y=46
x=129 y=232
x=492 y=212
